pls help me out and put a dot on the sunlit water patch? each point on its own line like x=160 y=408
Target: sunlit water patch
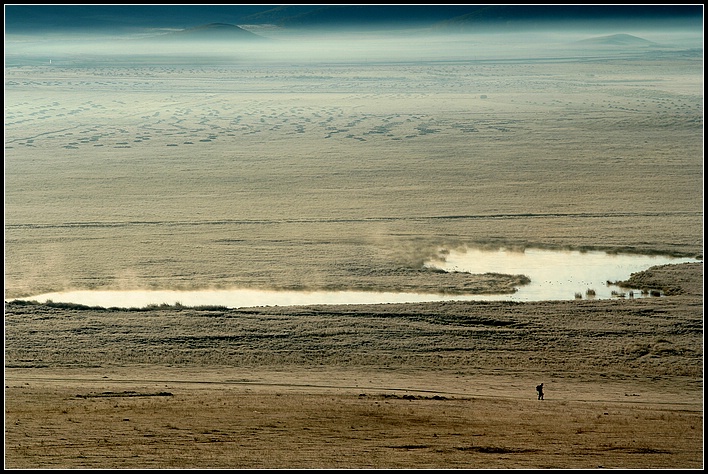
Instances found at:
x=555 y=275
x=558 y=275
x=237 y=298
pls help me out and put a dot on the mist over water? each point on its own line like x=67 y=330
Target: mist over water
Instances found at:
x=236 y=298
x=555 y=275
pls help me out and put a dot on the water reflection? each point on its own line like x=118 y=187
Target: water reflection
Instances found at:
x=237 y=298
x=555 y=275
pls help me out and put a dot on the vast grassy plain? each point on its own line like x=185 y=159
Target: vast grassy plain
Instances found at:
x=142 y=173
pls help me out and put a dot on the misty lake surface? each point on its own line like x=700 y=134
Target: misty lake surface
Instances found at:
x=555 y=275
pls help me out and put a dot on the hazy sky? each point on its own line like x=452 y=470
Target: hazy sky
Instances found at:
x=299 y=33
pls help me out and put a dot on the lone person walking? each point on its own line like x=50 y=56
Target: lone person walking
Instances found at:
x=539 y=389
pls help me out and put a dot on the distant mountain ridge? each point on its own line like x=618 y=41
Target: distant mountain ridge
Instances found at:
x=108 y=18
x=367 y=16
x=484 y=16
x=529 y=17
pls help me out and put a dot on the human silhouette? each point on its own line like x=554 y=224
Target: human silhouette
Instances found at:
x=539 y=389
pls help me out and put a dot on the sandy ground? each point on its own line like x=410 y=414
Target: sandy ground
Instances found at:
x=328 y=419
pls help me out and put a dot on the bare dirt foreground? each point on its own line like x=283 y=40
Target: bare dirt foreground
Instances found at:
x=439 y=385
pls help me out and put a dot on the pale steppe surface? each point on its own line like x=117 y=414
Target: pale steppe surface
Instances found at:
x=343 y=176
x=324 y=177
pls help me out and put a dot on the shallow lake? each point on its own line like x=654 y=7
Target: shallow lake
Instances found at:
x=555 y=275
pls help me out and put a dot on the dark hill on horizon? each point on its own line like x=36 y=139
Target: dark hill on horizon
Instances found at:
x=620 y=39
x=209 y=32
